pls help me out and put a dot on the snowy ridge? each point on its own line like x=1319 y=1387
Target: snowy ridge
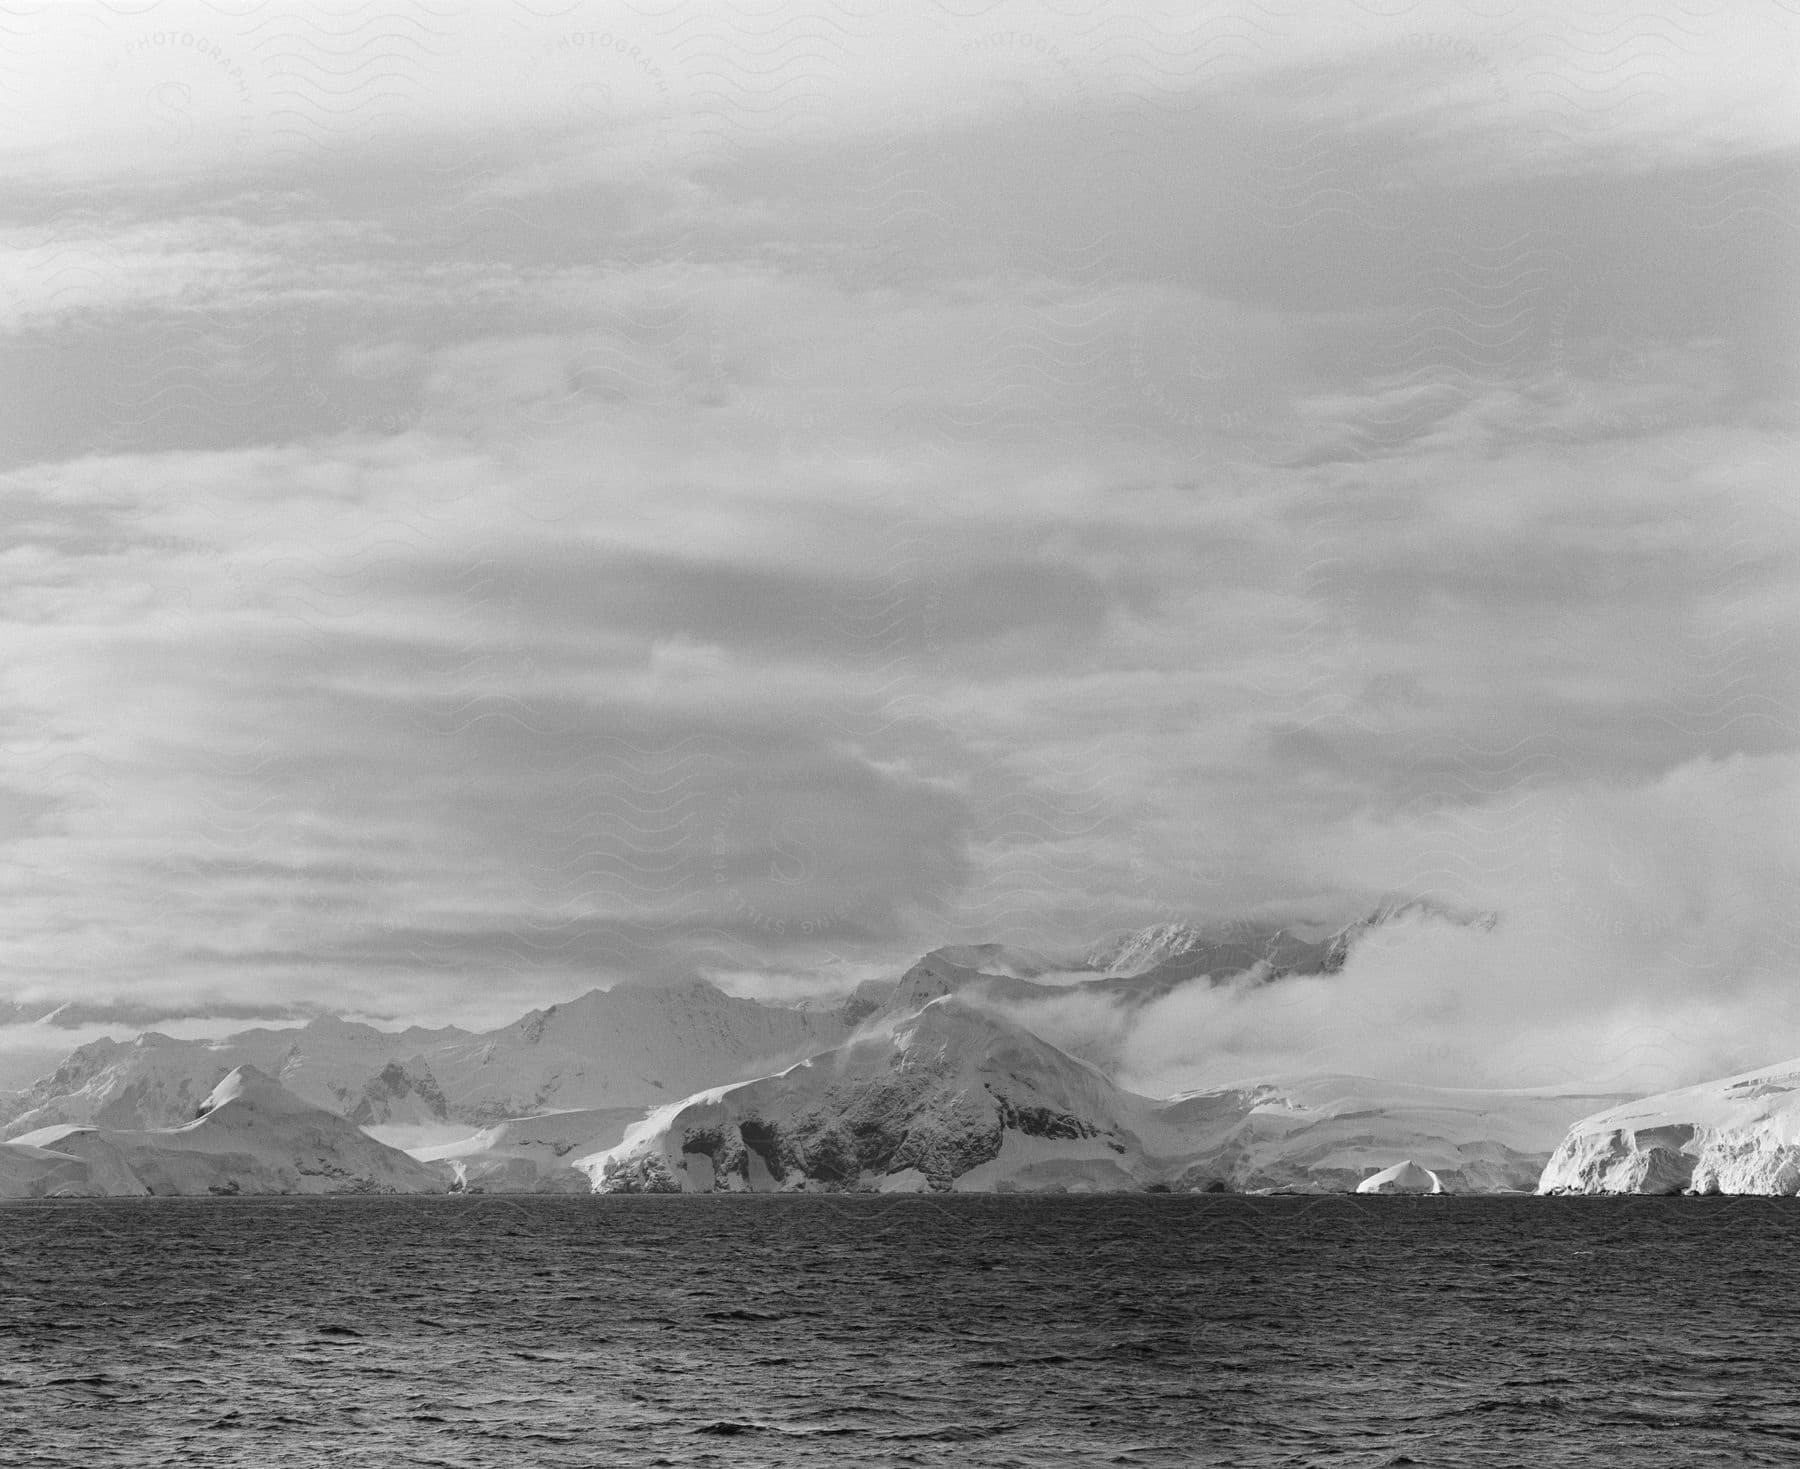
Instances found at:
x=1142 y=949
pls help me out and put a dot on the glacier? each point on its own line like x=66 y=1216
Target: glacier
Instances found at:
x=1738 y=1135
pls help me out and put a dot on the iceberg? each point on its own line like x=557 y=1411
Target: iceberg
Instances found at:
x=1403 y=1178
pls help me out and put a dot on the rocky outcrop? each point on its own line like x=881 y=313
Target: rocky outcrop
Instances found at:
x=385 y=1095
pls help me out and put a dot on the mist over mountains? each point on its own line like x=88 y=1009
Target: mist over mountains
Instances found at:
x=983 y=1067
x=974 y=1068
x=638 y=1044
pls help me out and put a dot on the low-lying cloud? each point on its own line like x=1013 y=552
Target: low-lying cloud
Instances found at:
x=1646 y=939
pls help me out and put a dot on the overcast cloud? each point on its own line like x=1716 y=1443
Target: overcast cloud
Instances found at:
x=497 y=503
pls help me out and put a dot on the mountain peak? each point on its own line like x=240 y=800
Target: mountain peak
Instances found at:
x=245 y=1089
x=1144 y=948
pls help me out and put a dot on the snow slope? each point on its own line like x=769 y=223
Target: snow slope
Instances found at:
x=532 y=1154
x=253 y=1136
x=37 y=1170
x=1740 y=1135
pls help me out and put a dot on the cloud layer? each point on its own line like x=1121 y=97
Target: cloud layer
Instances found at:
x=627 y=496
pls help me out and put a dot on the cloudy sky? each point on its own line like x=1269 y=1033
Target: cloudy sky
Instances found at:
x=497 y=500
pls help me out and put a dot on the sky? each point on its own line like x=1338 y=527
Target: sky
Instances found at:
x=501 y=500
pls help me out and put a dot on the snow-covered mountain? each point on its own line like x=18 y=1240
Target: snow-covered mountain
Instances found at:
x=1144 y=948
x=958 y=1097
x=253 y=1136
x=1167 y=956
x=155 y=1080
x=950 y=1094
x=1740 y=1135
x=995 y=971
x=631 y=1046
x=1168 y=953
x=1126 y=973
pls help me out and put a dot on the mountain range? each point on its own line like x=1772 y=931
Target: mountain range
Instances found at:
x=928 y=1080
x=630 y=1046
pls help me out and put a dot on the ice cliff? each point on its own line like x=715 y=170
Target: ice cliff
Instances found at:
x=1740 y=1135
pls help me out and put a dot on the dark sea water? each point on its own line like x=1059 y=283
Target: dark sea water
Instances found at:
x=918 y=1331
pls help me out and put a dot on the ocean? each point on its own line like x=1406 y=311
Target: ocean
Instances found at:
x=819 y=1330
